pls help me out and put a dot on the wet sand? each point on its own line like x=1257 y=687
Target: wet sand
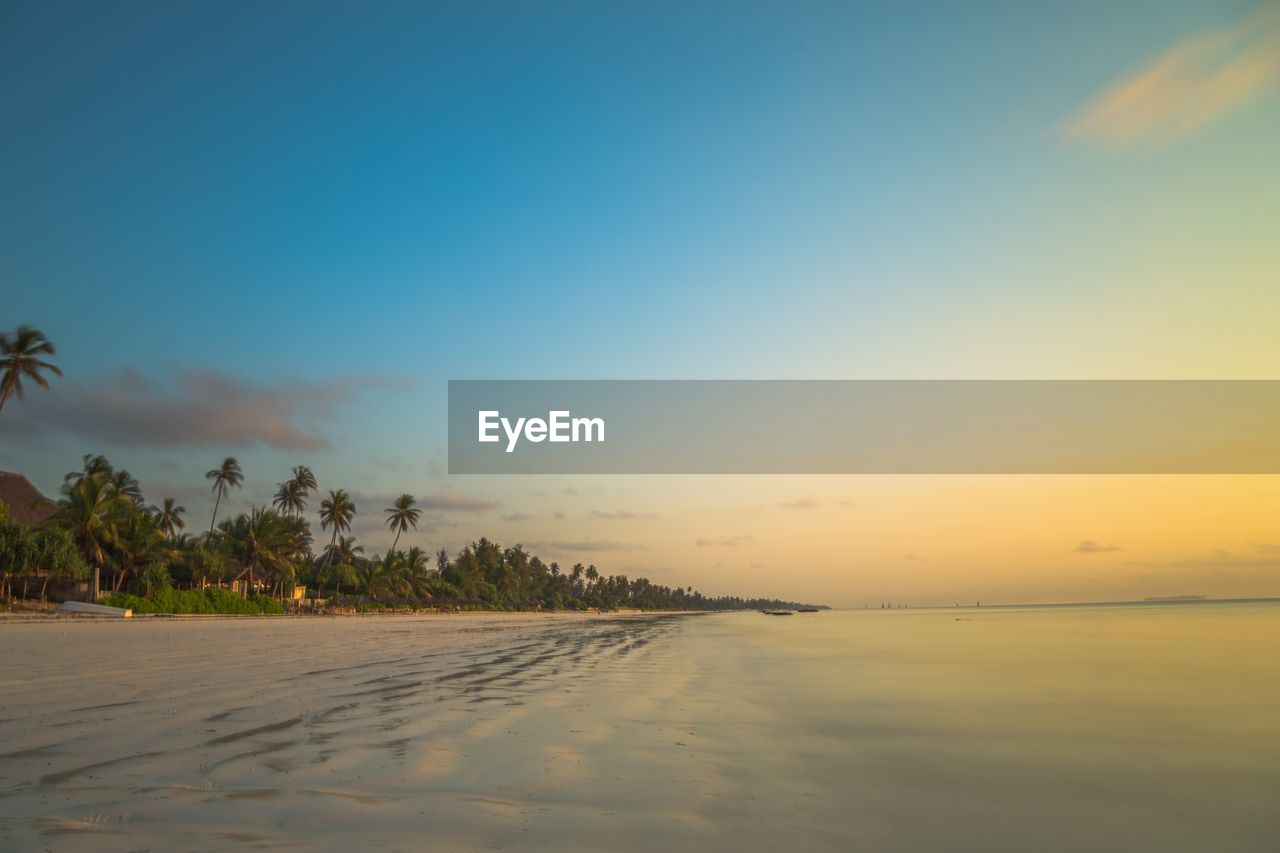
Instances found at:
x=469 y=732
x=1118 y=728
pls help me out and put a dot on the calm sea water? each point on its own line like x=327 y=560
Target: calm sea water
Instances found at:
x=1146 y=727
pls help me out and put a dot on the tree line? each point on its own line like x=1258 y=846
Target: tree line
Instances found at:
x=103 y=526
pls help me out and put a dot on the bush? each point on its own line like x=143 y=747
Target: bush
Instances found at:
x=155 y=579
x=204 y=601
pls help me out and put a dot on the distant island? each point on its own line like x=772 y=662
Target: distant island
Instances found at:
x=1176 y=598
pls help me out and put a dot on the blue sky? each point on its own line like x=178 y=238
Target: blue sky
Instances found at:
x=379 y=197
x=666 y=189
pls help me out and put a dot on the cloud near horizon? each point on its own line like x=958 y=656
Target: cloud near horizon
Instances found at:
x=619 y=515
x=584 y=545
x=724 y=541
x=454 y=502
x=436 y=502
x=1194 y=83
x=1089 y=546
x=198 y=408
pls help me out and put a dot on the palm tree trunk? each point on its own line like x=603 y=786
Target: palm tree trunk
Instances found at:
x=333 y=543
x=396 y=541
x=217 y=500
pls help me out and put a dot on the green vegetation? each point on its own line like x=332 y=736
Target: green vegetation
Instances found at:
x=187 y=601
x=34 y=558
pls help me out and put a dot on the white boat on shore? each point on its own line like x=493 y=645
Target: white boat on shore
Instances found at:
x=84 y=608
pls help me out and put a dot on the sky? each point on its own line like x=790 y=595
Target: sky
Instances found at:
x=275 y=231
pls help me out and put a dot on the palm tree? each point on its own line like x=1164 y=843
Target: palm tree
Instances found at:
x=336 y=511
x=169 y=517
x=305 y=480
x=90 y=510
x=126 y=484
x=137 y=543
x=341 y=560
x=402 y=515
x=20 y=359
x=95 y=465
x=223 y=478
x=379 y=578
x=289 y=498
x=417 y=570
x=345 y=550
x=265 y=542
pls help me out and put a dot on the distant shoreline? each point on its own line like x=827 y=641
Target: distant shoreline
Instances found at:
x=1146 y=602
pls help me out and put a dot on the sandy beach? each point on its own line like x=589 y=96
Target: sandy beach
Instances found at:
x=458 y=732
x=1055 y=729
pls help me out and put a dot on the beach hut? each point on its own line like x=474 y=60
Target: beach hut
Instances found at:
x=26 y=504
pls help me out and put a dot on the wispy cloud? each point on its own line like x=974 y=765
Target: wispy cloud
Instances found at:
x=724 y=541
x=802 y=503
x=452 y=502
x=516 y=516
x=584 y=545
x=199 y=408
x=1194 y=83
x=619 y=515
x=1089 y=546
x=435 y=502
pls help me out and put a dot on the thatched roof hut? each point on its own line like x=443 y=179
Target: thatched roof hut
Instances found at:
x=26 y=504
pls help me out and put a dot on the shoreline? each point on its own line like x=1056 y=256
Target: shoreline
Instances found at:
x=54 y=616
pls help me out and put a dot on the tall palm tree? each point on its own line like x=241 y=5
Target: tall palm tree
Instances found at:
x=169 y=517
x=336 y=511
x=126 y=485
x=289 y=498
x=20 y=359
x=402 y=515
x=95 y=465
x=223 y=479
x=305 y=480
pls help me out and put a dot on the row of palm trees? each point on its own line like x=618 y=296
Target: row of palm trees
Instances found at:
x=144 y=549
x=104 y=511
